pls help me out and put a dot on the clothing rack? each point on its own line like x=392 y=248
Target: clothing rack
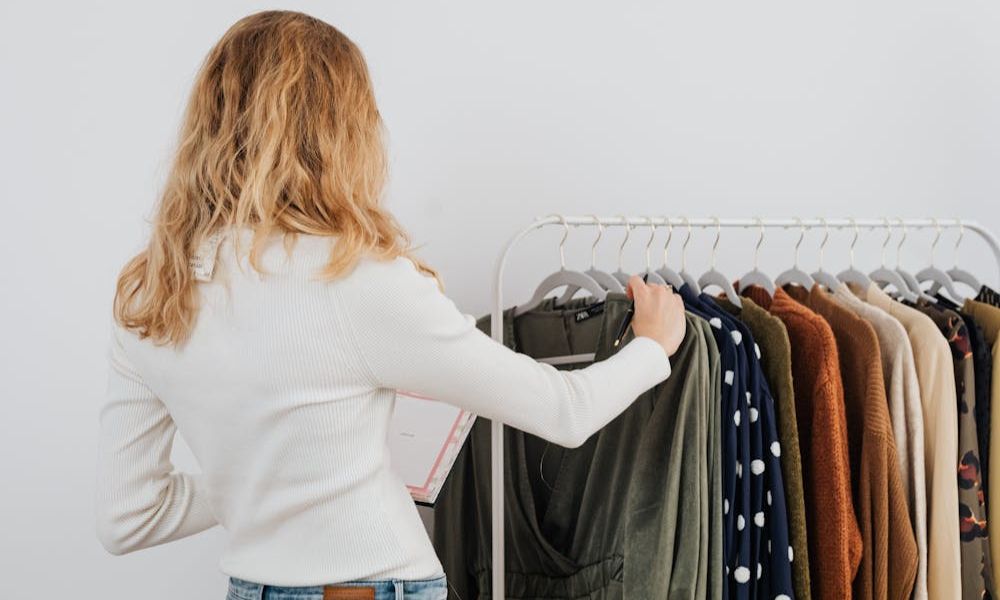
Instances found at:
x=496 y=318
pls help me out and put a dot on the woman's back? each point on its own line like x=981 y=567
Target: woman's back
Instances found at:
x=273 y=398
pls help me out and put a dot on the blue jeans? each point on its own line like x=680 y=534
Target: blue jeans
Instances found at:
x=385 y=589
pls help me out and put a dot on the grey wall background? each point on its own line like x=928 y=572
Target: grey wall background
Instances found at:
x=498 y=112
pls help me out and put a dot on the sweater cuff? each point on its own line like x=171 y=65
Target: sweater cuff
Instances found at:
x=649 y=358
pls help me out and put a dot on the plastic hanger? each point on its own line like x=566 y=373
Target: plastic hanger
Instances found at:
x=795 y=275
x=603 y=278
x=959 y=275
x=620 y=274
x=756 y=276
x=560 y=278
x=822 y=276
x=651 y=275
x=884 y=276
x=686 y=277
x=852 y=274
x=714 y=277
x=911 y=281
x=668 y=274
x=936 y=275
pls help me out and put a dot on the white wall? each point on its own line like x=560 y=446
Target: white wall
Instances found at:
x=498 y=112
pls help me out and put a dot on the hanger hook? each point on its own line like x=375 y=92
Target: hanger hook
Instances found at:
x=621 y=249
x=899 y=247
x=670 y=236
x=822 y=245
x=652 y=234
x=593 y=247
x=684 y=247
x=958 y=242
x=718 y=236
x=857 y=233
x=760 y=242
x=802 y=236
x=888 y=236
x=562 y=242
x=937 y=236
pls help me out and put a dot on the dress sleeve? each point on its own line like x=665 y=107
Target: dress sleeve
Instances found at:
x=411 y=336
x=140 y=501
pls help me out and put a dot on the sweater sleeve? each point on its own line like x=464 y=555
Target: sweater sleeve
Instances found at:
x=140 y=501
x=411 y=336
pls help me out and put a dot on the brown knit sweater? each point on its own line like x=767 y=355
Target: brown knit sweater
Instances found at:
x=776 y=358
x=834 y=538
x=889 y=559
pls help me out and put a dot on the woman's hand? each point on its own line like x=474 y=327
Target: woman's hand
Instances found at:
x=659 y=313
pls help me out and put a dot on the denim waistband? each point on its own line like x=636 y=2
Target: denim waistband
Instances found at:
x=384 y=589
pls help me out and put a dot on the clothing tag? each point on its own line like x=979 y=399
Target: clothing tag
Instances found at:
x=591 y=311
x=347 y=592
x=203 y=261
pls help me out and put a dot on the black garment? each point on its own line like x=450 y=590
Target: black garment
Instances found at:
x=988 y=295
x=621 y=516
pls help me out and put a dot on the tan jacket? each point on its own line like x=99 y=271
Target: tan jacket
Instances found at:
x=936 y=376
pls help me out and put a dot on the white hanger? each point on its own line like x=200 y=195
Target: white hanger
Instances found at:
x=686 y=277
x=620 y=274
x=884 y=276
x=822 y=276
x=605 y=279
x=714 y=277
x=795 y=275
x=935 y=274
x=668 y=274
x=560 y=278
x=756 y=276
x=651 y=275
x=852 y=274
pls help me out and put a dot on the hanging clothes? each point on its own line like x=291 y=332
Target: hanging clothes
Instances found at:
x=899 y=374
x=889 y=558
x=932 y=358
x=771 y=554
x=987 y=315
x=834 y=537
x=976 y=565
x=622 y=515
x=776 y=360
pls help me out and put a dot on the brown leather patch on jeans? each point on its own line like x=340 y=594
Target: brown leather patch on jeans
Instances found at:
x=348 y=592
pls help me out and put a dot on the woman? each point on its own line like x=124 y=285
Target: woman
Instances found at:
x=276 y=308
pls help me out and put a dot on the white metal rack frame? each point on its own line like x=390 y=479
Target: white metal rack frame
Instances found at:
x=496 y=320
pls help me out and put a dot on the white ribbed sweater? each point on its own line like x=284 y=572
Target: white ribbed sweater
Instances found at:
x=283 y=393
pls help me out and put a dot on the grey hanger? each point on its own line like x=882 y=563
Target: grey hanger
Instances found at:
x=795 y=275
x=936 y=275
x=852 y=274
x=756 y=276
x=687 y=277
x=714 y=277
x=884 y=276
x=651 y=275
x=822 y=276
x=959 y=275
x=620 y=274
x=605 y=279
x=668 y=274
x=560 y=278
x=911 y=281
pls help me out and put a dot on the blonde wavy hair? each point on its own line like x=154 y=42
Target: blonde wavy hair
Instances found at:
x=281 y=133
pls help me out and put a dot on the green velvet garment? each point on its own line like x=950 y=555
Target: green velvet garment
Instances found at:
x=634 y=512
x=776 y=358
